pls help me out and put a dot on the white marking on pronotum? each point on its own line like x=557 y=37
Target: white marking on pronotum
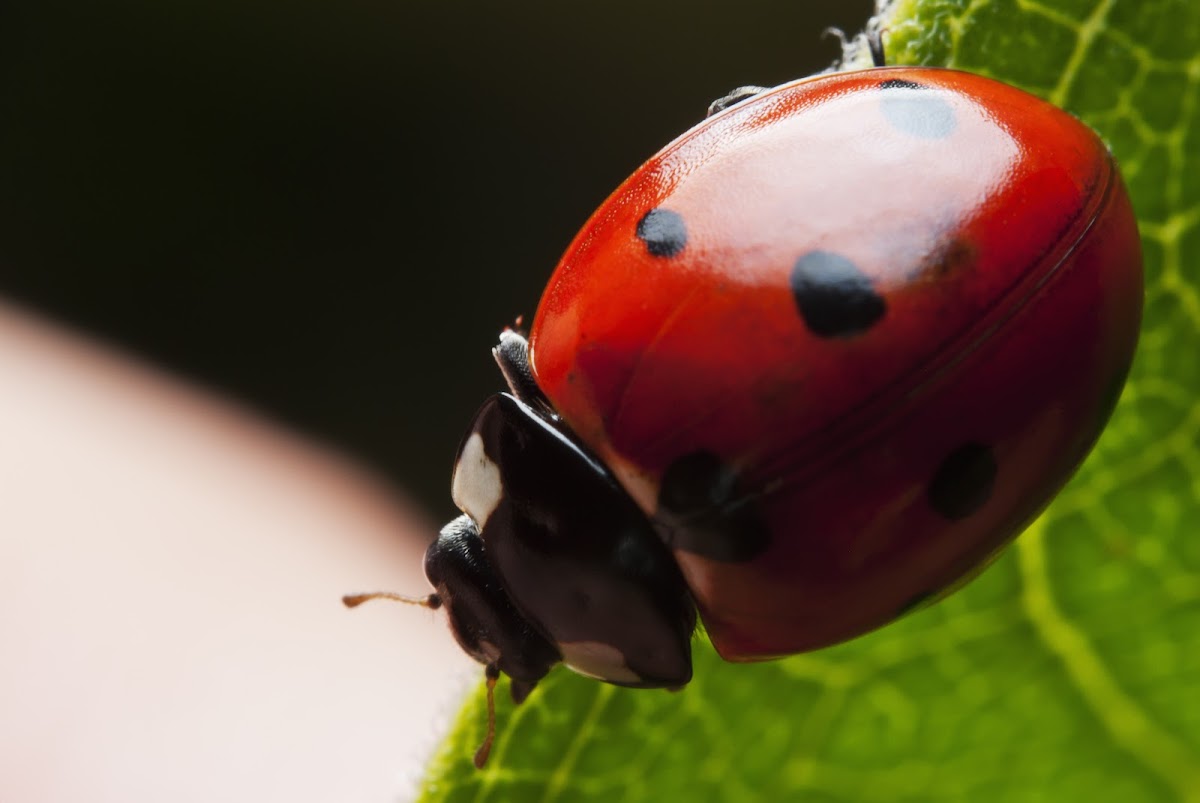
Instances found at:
x=596 y=660
x=476 y=487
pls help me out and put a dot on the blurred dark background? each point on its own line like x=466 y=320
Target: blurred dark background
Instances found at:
x=329 y=209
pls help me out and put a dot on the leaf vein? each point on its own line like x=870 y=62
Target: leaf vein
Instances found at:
x=1130 y=728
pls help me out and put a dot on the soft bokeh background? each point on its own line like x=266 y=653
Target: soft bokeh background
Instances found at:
x=329 y=209
x=323 y=212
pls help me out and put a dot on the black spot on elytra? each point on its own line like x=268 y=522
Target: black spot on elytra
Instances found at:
x=835 y=298
x=900 y=83
x=702 y=508
x=950 y=258
x=663 y=232
x=917 y=110
x=964 y=481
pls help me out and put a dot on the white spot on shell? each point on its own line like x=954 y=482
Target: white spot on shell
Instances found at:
x=476 y=487
x=595 y=660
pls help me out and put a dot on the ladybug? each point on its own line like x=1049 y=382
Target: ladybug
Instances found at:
x=811 y=365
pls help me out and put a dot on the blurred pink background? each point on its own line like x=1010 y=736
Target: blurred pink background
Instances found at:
x=170 y=575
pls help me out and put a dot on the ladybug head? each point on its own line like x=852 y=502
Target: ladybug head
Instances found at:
x=553 y=561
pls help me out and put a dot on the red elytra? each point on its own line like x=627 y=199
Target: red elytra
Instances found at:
x=896 y=306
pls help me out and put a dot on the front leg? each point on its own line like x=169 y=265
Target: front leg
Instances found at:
x=733 y=98
x=512 y=355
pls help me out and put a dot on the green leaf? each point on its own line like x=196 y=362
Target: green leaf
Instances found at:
x=1071 y=669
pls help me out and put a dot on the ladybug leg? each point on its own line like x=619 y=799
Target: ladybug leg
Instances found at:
x=512 y=355
x=875 y=43
x=491 y=674
x=733 y=98
x=874 y=37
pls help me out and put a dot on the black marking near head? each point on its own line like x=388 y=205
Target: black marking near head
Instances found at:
x=916 y=109
x=964 y=481
x=663 y=232
x=572 y=550
x=702 y=508
x=835 y=298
